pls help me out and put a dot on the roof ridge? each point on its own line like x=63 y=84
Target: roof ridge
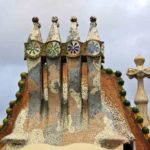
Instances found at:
x=134 y=110
x=19 y=94
x=137 y=116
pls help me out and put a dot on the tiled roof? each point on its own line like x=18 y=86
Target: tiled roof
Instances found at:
x=112 y=87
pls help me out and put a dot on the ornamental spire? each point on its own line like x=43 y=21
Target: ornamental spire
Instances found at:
x=93 y=33
x=54 y=32
x=73 y=33
x=35 y=33
x=141 y=99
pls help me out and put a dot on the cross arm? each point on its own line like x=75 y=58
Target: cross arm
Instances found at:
x=131 y=73
x=147 y=72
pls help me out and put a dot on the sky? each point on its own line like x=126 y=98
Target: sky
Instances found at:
x=123 y=25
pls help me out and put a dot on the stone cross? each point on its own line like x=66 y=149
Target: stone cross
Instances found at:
x=141 y=99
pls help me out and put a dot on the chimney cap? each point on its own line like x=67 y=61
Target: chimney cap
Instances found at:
x=35 y=19
x=73 y=19
x=93 y=19
x=55 y=19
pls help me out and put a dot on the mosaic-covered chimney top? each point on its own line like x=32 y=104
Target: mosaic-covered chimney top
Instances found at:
x=66 y=100
x=73 y=47
x=71 y=84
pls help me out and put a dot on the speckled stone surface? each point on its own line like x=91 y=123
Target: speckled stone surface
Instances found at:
x=141 y=98
x=54 y=91
x=34 y=80
x=66 y=102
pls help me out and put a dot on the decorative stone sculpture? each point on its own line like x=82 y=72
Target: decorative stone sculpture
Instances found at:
x=141 y=99
x=63 y=100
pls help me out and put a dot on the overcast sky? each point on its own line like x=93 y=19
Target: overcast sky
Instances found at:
x=124 y=26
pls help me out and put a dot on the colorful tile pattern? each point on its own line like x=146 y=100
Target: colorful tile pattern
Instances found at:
x=53 y=49
x=33 y=49
x=93 y=48
x=73 y=48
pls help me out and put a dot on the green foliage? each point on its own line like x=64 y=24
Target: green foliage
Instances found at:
x=118 y=74
x=126 y=103
x=145 y=130
x=139 y=119
x=23 y=75
x=8 y=111
x=121 y=82
x=18 y=95
x=21 y=83
x=5 y=121
x=109 y=71
x=123 y=92
x=12 y=103
x=135 y=110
